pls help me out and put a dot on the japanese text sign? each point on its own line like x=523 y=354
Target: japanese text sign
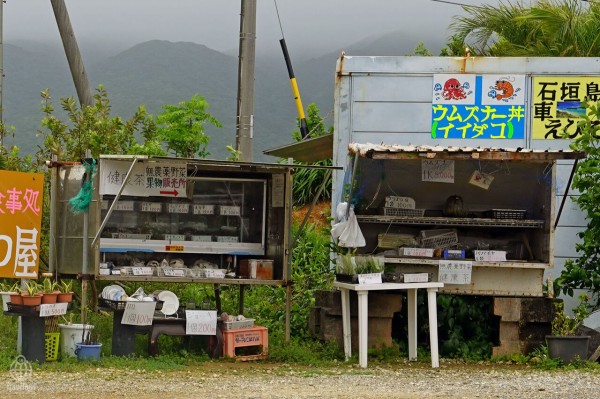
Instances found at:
x=167 y=179
x=138 y=313
x=201 y=322
x=466 y=106
x=556 y=104
x=434 y=170
x=21 y=198
x=455 y=272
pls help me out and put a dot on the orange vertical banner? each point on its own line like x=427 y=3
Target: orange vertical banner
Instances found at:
x=21 y=199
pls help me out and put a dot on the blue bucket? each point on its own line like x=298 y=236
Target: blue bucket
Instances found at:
x=87 y=352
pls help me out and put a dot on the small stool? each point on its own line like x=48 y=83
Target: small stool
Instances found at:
x=252 y=336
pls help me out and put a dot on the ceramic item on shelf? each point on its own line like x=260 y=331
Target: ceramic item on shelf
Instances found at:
x=170 y=302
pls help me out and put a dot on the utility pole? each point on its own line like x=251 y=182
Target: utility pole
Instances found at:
x=82 y=85
x=245 y=96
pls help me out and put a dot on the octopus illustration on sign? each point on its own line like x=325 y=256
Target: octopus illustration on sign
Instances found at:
x=453 y=89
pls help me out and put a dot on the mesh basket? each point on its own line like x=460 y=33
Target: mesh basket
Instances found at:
x=403 y=212
x=52 y=346
x=440 y=238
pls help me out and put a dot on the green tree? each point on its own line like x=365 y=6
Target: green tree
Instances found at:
x=567 y=28
x=92 y=127
x=308 y=181
x=182 y=127
x=584 y=271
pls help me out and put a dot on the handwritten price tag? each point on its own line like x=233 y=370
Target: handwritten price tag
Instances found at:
x=53 y=309
x=370 y=278
x=178 y=208
x=490 y=256
x=138 y=313
x=201 y=322
x=142 y=271
x=151 y=207
x=423 y=252
x=229 y=210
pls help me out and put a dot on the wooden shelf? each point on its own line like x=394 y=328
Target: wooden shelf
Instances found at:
x=453 y=222
x=435 y=261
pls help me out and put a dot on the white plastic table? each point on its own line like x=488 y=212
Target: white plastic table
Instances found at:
x=363 y=317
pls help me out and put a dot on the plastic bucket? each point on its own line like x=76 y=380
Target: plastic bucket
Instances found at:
x=71 y=334
x=87 y=352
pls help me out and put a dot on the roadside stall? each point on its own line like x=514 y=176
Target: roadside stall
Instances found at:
x=162 y=219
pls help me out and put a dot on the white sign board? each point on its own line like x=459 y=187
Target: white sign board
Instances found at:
x=455 y=272
x=201 y=322
x=370 y=278
x=489 y=256
x=165 y=179
x=53 y=309
x=421 y=252
x=142 y=271
x=440 y=171
x=138 y=313
x=416 y=277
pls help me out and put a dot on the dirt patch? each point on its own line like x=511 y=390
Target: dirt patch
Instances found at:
x=319 y=216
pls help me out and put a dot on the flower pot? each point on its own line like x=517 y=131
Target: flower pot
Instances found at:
x=64 y=297
x=567 y=348
x=16 y=299
x=31 y=300
x=6 y=299
x=87 y=352
x=49 y=297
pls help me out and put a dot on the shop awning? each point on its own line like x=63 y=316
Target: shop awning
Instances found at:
x=310 y=150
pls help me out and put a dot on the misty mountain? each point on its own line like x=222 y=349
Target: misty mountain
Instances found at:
x=158 y=72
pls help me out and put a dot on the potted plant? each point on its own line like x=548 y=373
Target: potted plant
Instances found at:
x=90 y=346
x=66 y=293
x=368 y=264
x=8 y=291
x=564 y=344
x=32 y=295
x=50 y=291
x=345 y=267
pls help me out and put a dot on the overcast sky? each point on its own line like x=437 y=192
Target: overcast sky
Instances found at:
x=307 y=24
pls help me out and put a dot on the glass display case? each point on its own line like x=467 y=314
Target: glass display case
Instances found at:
x=216 y=216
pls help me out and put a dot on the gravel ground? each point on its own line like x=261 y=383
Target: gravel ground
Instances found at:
x=264 y=380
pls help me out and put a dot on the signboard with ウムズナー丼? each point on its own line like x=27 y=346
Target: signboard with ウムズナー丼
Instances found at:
x=21 y=198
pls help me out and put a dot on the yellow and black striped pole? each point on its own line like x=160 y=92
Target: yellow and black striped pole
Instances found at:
x=295 y=91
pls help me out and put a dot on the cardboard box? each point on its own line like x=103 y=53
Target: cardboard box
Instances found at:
x=256 y=268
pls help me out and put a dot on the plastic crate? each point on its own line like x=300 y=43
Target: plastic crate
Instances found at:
x=403 y=212
x=52 y=345
x=507 y=213
x=440 y=238
x=394 y=241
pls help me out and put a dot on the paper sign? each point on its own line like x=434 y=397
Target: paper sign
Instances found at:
x=201 y=322
x=490 y=256
x=174 y=272
x=393 y=201
x=416 y=277
x=178 y=208
x=53 y=309
x=437 y=171
x=142 y=271
x=423 y=252
x=455 y=272
x=481 y=180
x=138 y=313
x=214 y=273
x=229 y=210
x=151 y=207
x=204 y=209
x=370 y=278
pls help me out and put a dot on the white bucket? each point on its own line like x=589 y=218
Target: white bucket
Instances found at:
x=70 y=334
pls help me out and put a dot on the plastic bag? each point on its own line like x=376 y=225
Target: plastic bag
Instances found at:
x=350 y=235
